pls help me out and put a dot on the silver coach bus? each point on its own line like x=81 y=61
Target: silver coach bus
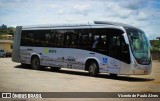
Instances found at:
x=107 y=47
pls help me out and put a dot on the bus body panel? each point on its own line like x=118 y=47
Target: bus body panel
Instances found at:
x=134 y=68
x=64 y=58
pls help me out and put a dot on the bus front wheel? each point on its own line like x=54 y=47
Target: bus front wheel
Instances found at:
x=93 y=68
x=35 y=62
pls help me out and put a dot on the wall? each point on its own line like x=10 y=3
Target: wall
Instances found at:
x=6 y=47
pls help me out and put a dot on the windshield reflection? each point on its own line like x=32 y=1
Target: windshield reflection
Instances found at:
x=139 y=45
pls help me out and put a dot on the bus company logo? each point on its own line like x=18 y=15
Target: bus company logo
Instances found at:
x=6 y=95
x=46 y=50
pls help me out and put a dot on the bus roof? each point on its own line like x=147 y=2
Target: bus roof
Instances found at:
x=84 y=25
x=113 y=23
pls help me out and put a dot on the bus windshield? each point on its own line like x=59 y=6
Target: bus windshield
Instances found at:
x=139 y=45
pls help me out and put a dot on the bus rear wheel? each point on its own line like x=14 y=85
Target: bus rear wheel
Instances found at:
x=93 y=68
x=35 y=62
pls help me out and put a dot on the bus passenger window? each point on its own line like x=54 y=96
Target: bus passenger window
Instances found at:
x=114 y=47
x=99 y=42
x=85 y=40
x=96 y=41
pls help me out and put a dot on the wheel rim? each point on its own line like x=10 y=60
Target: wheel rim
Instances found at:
x=92 y=68
x=35 y=63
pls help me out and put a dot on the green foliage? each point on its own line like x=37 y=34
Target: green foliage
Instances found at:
x=155 y=45
x=3 y=26
x=0 y=36
x=6 y=30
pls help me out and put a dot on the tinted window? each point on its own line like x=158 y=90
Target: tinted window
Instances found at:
x=58 y=37
x=43 y=38
x=114 y=46
x=71 y=37
x=27 y=38
x=106 y=41
x=100 y=37
x=85 y=38
x=78 y=38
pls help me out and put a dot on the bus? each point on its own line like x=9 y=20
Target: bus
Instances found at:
x=98 y=47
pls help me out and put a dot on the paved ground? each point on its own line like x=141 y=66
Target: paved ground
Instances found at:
x=14 y=77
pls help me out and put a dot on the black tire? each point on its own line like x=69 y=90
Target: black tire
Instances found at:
x=93 y=68
x=35 y=63
x=4 y=56
x=55 y=68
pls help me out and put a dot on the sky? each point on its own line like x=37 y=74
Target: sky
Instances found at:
x=144 y=14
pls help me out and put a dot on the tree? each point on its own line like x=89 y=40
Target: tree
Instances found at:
x=6 y=30
x=4 y=26
x=10 y=30
x=155 y=45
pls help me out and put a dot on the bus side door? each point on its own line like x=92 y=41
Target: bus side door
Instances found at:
x=114 y=53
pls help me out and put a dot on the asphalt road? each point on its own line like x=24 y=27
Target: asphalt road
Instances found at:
x=15 y=78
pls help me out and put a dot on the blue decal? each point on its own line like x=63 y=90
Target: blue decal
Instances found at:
x=105 y=60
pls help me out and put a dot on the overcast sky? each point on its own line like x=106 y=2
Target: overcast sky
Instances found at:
x=144 y=14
